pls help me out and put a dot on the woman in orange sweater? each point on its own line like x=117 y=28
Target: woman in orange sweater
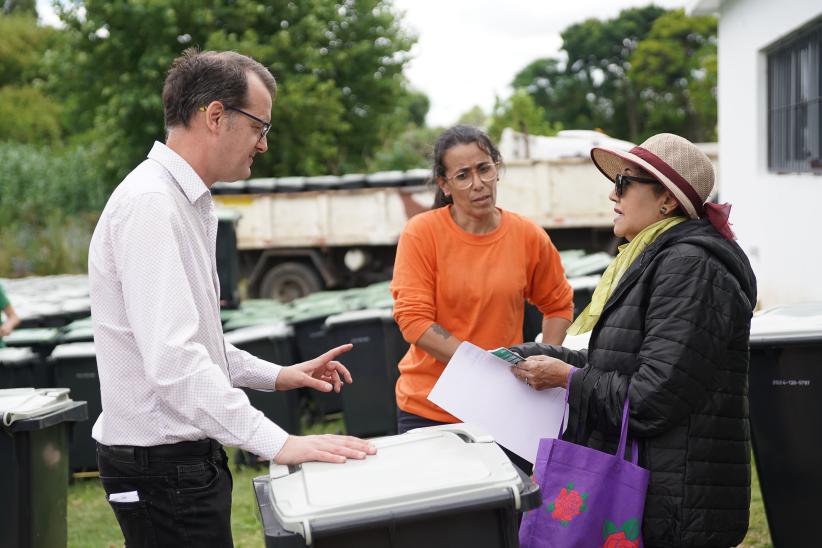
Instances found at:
x=463 y=271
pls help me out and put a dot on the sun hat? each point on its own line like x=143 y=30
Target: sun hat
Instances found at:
x=680 y=166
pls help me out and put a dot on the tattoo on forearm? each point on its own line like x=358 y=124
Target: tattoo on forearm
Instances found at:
x=440 y=330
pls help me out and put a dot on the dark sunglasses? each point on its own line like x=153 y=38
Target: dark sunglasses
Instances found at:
x=622 y=181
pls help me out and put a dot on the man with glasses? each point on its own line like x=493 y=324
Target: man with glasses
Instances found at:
x=168 y=380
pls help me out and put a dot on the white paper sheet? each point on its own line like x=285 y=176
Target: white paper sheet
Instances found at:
x=479 y=388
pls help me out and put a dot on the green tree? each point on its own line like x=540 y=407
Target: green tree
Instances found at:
x=520 y=113
x=28 y=116
x=338 y=65
x=645 y=71
x=18 y=7
x=674 y=68
x=413 y=148
x=565 y=96
x=474 y=116
x=27 y=113
x=599 y=53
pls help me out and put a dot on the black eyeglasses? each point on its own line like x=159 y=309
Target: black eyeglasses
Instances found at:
x=266 y=125
x=622 y=180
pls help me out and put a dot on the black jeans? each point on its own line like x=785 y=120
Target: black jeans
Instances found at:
x=184 y=492
x=408 y=421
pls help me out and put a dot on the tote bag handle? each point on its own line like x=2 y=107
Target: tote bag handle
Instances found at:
x=623 y=434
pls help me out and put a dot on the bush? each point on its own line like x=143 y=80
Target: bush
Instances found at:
x=49 y=202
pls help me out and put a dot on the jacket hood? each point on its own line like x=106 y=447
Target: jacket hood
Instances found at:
x=699 y=232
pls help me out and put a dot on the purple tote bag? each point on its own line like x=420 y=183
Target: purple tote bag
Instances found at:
x=590 y=499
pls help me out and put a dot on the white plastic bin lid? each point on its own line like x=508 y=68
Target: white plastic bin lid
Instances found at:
x=424 y=466
x=584 y=282
x=255 y=332
x=360 y=316
x=789 y=323
x=76 y=350
x=12 y=355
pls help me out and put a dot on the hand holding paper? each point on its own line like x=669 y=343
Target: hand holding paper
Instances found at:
x=478 y=387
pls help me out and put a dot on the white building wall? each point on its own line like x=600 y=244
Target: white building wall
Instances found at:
x=777 y=217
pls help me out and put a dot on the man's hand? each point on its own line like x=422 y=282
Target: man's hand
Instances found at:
x=323 y=373
x=541 y=372
x=6 y=329
x=325 y=448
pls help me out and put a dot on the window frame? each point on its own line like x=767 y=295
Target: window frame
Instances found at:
x=794 y=101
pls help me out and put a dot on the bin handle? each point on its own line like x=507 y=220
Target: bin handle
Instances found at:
x=517 y=497
x=307 y=532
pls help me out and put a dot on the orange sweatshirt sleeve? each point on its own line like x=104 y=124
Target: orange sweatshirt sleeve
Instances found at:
x=549 y=290
x=413 y=283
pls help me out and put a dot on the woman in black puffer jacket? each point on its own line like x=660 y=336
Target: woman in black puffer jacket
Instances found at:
x=669 y=326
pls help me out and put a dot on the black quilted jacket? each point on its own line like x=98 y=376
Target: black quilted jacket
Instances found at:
x=676 y=329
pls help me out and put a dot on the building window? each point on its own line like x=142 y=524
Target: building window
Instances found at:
x=795 y=102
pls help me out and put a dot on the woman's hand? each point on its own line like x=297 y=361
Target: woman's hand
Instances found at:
x=541 y=372
x=323 y=373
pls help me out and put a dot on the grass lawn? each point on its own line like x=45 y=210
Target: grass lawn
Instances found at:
x=91 y=522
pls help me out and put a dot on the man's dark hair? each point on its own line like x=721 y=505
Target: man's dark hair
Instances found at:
x=197 y=78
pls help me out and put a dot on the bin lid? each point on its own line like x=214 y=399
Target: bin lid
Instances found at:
x=17 y=357
x=290 y=184
x=77 y=324
x=74 y=350
x=448 y=465
x=273 y=330
x=78 y=334
x=357 y=316
x=385 y=178
x=35 y=335
x=262 y=185
x=76 y=304
x=788 y=323
x=584 y=282
x=417 y=176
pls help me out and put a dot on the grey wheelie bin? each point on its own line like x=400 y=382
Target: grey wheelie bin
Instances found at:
x=369 y=404
x=438 y=487
x=311 y=337
x=228 y=262
x=274 y=343
x=75 y=367
x=786 y=418
x=18 y=367
x=33 y=484
x=42 y=342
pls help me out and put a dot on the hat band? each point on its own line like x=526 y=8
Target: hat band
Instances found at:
x=671 y=174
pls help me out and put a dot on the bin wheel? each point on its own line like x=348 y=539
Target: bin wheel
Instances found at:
x=288 y=281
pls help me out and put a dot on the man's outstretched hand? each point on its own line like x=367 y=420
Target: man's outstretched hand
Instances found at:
x=323 y=373
x=324 y=448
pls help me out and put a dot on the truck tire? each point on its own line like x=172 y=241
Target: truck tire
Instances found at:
x=288 y=281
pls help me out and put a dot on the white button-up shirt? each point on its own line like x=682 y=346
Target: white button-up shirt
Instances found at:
x=166 y=372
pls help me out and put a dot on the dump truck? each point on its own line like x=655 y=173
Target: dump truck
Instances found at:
x=298 y=235
x=295 y=236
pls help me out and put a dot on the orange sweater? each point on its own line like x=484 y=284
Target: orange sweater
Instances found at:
x=472 y=285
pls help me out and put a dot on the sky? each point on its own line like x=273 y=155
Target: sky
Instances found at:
x=468 y=51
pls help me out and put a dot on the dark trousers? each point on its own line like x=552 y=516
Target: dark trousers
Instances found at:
x=409 y=421
x=184 y=492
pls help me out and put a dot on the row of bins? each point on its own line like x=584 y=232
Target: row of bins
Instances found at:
x=368 y=406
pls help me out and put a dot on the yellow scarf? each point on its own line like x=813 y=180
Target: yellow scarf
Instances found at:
x=610 y=278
